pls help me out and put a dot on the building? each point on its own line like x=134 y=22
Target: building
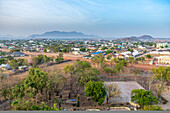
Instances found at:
x=163 y=45
x=126 y=88
x=163 y=60
x=18 y=54
x=75 y=49
x=96 y=53
x=5 y=66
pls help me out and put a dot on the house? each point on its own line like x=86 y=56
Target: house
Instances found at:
x=87 y=57
x=76 y=52
x=5 y=66
x=127 y=54
x=120 y=46
x=96 y=53
x=11 y=47
x=125 y=88
x=18 y=54
x=163 y=60
x=75 y=49
x=23 y=68
x=163 y=45
x=141 y=47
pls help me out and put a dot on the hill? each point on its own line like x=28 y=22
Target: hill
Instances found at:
x=134 y=38
x=63 y=34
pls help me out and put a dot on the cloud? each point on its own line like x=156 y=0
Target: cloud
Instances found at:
x=98 y=16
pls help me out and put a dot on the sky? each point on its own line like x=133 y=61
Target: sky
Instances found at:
x=106 y=18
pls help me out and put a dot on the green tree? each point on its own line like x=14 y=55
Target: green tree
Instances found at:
x=5 y=91
x=44 y=50
x=60 y=55
x=143 y=98
x=83 y=49
x=96 y=90
x=59 y=60
x=109 y=51
x=78 y=101
x=161 y=74
x=149 y=56
x=14 y=63
x=143 y=59
x=131 y=59
x=99 y=60
x=109 y=57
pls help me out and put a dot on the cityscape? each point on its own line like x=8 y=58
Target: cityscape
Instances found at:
x=74 y=56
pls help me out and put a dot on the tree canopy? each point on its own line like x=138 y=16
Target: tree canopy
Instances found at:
x=96 y=90
x=143 y=98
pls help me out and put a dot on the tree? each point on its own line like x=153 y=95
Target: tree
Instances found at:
x=64 y=50
x=60 y=55
x=131 y=59
x=88 y=74
x=149 y=56
x=10 y=57
x=120 y=66
x=143 y=98
x=14 y=63
x=83 y=49
x=112 y=91
x=143 y=59
x=14 y=50
x=44 y=50
x=5 y=91
x=59 y=60
x=46 y=59
x=161 y=75
x=96 y=90
x=109 y=57
x=78 y=101
x=2 y=61
x=109 y=51
x=59 y=102
x=99 y=60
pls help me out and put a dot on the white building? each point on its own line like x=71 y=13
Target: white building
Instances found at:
x=125 y=88
x=75 y=48
x=164 y=45
x=163 y=60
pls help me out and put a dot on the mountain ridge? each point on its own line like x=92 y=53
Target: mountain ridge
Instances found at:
x=60 y=34
x=134 y=38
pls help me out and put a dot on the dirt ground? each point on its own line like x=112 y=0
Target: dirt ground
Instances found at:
x=75 y=57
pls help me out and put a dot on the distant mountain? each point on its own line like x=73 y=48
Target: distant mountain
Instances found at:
x=128 y=39
x=58 y=34
x=134 y=38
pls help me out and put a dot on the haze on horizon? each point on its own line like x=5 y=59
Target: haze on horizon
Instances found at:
x=107 y=18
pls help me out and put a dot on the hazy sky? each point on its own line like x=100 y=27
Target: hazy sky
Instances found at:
x=108 y=18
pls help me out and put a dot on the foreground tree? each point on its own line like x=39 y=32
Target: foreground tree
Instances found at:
x=99 y=60
x=162 y=75
x=96 y=90
x=143 y=98
x=113 y=91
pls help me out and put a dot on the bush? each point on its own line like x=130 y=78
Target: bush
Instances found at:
x=152 y=108
x=78 y=101
x=59 y=60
